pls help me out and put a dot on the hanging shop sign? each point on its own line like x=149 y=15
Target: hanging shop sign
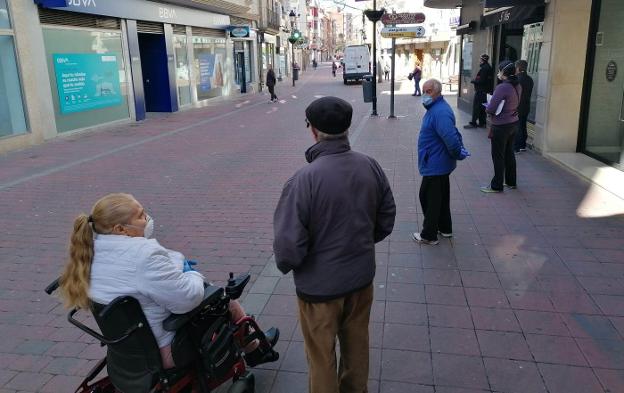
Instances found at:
x=403 y=18
x=611 y=71
x=87 y=81
x=239 y=31
x=403 y=32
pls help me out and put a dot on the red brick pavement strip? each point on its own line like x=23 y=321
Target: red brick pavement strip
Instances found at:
x=526 y=297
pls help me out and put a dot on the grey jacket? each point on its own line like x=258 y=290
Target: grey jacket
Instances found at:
x=329 y=217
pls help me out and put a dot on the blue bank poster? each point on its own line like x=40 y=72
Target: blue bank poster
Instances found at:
x=87 y=81
x=206 y=71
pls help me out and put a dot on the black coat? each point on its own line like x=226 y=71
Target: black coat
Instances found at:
x=328 y=219
x=270 y=78
x=483 y=80
x=527 y=88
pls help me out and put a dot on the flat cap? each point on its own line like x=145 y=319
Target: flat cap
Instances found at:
x=485 y=57
x=331 y=115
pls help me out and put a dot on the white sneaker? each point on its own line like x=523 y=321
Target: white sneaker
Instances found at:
x=446 y=235
x=418 y=239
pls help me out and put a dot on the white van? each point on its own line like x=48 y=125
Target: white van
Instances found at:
x=356 y=63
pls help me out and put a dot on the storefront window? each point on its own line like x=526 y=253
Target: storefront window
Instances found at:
x=5 y=23
x=87 y=77
x=208 y=66
x=183 y=78
x=467 y=55
x=12 y=119
x=604 y=137
x=532 y=42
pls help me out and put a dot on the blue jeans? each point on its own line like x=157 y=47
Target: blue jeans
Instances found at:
x=417 y=86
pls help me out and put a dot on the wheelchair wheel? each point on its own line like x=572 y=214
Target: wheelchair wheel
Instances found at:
x=245 y=384
x=241 y=387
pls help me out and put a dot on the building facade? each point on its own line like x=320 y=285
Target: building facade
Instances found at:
x=72 y=66
x=574 y=49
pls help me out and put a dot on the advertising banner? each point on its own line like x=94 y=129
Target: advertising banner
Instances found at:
x=206 y=71
x=87 y=81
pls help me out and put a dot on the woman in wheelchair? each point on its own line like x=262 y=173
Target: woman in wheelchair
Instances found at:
x=111 y=255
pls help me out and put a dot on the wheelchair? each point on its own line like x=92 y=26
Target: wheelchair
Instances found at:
x=207 y=347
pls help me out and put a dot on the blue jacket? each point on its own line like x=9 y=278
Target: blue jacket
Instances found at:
x=439 y=143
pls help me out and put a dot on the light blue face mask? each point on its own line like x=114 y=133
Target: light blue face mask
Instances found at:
x=426 y=100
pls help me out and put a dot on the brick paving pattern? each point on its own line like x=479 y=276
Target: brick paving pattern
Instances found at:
x=527 y=297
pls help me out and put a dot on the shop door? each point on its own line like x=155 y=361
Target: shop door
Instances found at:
x=155 y=72
x=239 y=60
x=604 y=124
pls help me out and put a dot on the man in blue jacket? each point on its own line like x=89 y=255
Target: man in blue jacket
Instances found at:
x=440 y=145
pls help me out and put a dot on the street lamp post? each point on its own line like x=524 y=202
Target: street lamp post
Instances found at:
x=374 y=16
x=294 y=37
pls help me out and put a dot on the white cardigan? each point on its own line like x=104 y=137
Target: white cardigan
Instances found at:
x=147 y=271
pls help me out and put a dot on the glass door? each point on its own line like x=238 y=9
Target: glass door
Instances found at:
x=183 y=77
x=604 y=133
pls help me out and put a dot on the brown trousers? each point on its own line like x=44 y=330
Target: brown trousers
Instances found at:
x=347 y=318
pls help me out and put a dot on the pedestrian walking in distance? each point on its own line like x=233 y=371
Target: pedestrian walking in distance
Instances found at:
x=504 y=125
x=483 y=86
x=526 y=82
x=270 y=82
x=328 y=219
x=417 y=75
x=440 y=145
x=334 y=68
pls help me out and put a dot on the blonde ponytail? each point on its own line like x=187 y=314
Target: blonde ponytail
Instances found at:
x=106 y=213
x=75 y=279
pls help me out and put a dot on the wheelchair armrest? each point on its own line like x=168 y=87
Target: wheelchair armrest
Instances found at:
x=176 y=321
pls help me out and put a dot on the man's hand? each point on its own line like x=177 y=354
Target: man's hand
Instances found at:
x=463 y=153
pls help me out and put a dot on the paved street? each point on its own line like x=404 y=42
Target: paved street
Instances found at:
x=527 y=297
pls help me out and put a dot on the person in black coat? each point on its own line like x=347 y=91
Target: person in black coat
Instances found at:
x=525 y=104
x=483 y=84
x=270 y=82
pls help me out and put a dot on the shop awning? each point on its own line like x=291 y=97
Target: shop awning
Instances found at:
x=525 y=14
x=509 y=3
x=467 y=28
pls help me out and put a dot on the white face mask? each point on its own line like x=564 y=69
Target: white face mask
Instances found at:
x=148 y=231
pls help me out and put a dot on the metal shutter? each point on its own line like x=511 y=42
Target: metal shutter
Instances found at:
x=64 y=18
x=179 y=29
x=204 y=32
x=150 y=27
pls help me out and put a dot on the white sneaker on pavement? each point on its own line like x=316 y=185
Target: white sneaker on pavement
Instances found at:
x=418 y=239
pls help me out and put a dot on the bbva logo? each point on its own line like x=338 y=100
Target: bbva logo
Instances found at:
x=62 y=60
x=83 y=3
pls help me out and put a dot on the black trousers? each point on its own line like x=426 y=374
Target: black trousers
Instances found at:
x=521 y=135
x=272 y=91
x=503 y=156
x=435 y=200
x=478 y=110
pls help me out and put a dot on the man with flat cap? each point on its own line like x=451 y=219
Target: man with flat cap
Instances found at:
x=483 y=84
x=328 y=219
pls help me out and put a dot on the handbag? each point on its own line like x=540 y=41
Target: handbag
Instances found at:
x=410 y=76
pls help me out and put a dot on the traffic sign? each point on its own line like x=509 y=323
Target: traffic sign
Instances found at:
x=403 y=18
x=403 y=32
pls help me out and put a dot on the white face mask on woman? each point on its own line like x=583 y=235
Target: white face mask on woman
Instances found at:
x=148 y=231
